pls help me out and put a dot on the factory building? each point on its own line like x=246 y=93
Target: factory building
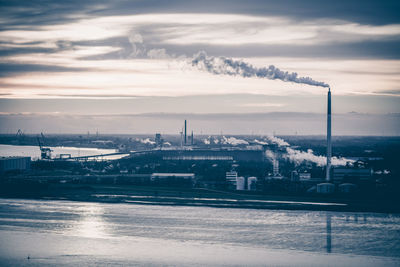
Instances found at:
x=240 y=183
x=231 y=177
x=210 y=154
x=173 y=179
x=343 y=174
x=304 y=176
x=252 y=183
x=182 y=176
x=14 y=163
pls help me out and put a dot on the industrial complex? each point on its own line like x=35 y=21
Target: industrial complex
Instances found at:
x=237 y=163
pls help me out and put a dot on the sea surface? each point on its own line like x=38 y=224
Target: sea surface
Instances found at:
x=66 y=233
x=34 y=151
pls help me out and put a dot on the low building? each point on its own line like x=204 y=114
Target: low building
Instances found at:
x=352 y=175
x=14 y=163
x=160 y=176
x=173 y=179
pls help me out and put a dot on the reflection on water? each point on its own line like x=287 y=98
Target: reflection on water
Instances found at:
x=90 y=223
x=124 y=234
x=328 y=234
x=34 y=151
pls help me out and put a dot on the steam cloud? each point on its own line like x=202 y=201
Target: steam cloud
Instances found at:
x=225 y=140
x=298 y=156
x=228 y=66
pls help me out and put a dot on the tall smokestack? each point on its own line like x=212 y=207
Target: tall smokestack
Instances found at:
x=185 y=133
x=328 y=139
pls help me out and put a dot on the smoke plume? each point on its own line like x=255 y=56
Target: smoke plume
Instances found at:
x=219 y=65
x=297 y=156
x=228 y=66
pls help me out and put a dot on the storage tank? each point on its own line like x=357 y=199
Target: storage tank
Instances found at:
x=347 y=188
x=252 y=183
x=325 y=188
x=240 y=183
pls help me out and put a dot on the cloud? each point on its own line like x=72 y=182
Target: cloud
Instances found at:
x=122 y=48
x=158 y=53
x=31 y=13
x=262 y=105
x=389 y=92
x=11 y=69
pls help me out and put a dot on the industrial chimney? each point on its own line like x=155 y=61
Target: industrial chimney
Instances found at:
x=185 y=133
x=328 y=139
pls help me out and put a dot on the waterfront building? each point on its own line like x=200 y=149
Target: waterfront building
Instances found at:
x=14 y=163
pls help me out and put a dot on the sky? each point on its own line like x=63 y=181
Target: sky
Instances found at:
x=117 y=58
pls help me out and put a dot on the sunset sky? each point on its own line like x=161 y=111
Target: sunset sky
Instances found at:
x=132 y=57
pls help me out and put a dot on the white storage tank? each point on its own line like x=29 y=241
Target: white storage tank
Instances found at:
x=252 y=183
x=240 y=183
x=325 y=188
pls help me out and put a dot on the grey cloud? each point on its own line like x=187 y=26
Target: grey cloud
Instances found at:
x=4 y=52
x=42 y=12
x=10 y=69
x=390 y=92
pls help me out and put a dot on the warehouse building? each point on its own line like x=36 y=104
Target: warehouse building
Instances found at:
x=14 y=163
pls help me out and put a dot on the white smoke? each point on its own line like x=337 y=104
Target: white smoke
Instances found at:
x=277 y=140
x=220 y=65
x=210 y=139
x=298 y=156
x=225 y=141
x=233 y=141
x=147 y=141
x=260 y=142
x=270 y=154
x=228 y=66
x=207 y=141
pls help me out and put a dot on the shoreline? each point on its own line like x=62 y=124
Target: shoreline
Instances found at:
x=145 y=195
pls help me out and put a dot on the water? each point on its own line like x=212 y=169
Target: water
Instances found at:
x=79 y=233
x=34 y=151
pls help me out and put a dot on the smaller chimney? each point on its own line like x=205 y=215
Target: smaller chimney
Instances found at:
x=185 y=133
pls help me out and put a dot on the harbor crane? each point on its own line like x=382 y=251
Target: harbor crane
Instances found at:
x=45 y=152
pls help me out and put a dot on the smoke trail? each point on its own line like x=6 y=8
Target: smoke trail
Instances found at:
x=228 y=66
x=219 y=65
